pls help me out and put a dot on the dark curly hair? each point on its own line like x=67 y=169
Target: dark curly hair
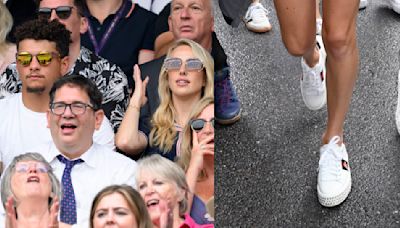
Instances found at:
x=86 y=84
x=52 y=31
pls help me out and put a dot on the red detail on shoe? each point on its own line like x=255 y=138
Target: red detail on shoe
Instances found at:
x=345 y=165
x=322 y=75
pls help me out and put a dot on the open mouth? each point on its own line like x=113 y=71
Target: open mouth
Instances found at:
x=182 y=82
x=152 y=203
x=68 y=126
x=33 y=179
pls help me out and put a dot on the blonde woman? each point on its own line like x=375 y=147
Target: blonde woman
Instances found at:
x=7 y=50
x=197 y=159
x=187 y=76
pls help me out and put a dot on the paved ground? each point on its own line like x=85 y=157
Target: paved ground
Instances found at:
x=266 y=165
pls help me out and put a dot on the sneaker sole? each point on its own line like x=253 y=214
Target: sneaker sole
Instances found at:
x=258 y=30
x=336 y=200
x=230 y=121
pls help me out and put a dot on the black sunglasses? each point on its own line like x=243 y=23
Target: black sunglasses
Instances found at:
x=198 y=124
x=63 y=12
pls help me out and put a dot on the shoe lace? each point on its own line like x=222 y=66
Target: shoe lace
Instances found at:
x=256 y=12
x=330 y=160
x=223 y=92
x=312 y=81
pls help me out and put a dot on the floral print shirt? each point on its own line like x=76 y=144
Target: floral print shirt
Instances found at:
x=109 y=78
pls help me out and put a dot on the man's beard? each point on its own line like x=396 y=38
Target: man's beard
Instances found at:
x=37 y=90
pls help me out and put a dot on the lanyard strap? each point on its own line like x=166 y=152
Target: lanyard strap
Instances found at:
x=110 y=29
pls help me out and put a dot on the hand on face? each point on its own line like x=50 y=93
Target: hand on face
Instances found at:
x=166 y=216
x=201 y=149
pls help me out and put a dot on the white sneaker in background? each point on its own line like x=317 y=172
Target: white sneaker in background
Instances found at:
x=334 y=176
x=312 y=83
x=363 y=4
x=397 y=117
x=256 y=18
x=395 y=5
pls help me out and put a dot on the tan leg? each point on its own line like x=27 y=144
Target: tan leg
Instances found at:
x=297 y=23
x=339 y=35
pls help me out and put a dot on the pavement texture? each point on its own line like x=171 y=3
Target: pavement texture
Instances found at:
x=266 y=164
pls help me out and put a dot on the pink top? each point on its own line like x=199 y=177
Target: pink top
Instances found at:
x=189 y=223
x=7 y=57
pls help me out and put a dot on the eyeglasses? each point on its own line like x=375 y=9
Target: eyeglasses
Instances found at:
x=198 y=124
x=25 y=167
x=44 y=58
x=63 y=12
x=77 y=108
x=193 y=64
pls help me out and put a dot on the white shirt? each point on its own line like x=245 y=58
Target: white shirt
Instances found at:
x=22 y=130
x=101 y=167
x=156 y=6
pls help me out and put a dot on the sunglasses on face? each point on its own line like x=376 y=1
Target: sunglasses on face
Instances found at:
x=25 y=167
x=44 y=58
x=198 y=124
x=62 y=12
x=193 y=64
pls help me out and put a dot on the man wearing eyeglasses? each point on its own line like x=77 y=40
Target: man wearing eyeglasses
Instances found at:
x=83 y=166
x=42 y=58
x=109 y=78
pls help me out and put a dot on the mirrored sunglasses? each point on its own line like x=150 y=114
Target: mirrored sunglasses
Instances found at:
x=25 y=167
x=193 y=64
x=198 y=124
x=62 y=12
x=44 y=58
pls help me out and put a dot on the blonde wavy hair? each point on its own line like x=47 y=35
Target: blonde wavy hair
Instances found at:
x=187 y=145
x=6 y=22
x=163 y=132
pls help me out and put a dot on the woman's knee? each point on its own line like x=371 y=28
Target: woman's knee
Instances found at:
x=339 y=44
x=298 y=47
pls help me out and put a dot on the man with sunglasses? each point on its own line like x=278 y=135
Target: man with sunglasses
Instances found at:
x=83 y=166
x=42 y=58
x=194 y=20
x=109 y=78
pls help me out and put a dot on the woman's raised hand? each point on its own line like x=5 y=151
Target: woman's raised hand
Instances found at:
x=139 y=98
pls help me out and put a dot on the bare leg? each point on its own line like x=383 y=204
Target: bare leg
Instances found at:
x=339 y=35
x=297 y=23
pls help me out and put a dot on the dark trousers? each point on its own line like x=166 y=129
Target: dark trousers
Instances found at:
x=233 y=10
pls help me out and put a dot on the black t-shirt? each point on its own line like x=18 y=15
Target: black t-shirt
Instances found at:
x=134 y=32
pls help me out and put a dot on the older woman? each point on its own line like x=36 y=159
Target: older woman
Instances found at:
x=186 y=77
x=164 y=189
x=198 y=159
x=30 y=192
x=120 y=206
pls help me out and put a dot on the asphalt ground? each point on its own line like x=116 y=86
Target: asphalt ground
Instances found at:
x=266 y=164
